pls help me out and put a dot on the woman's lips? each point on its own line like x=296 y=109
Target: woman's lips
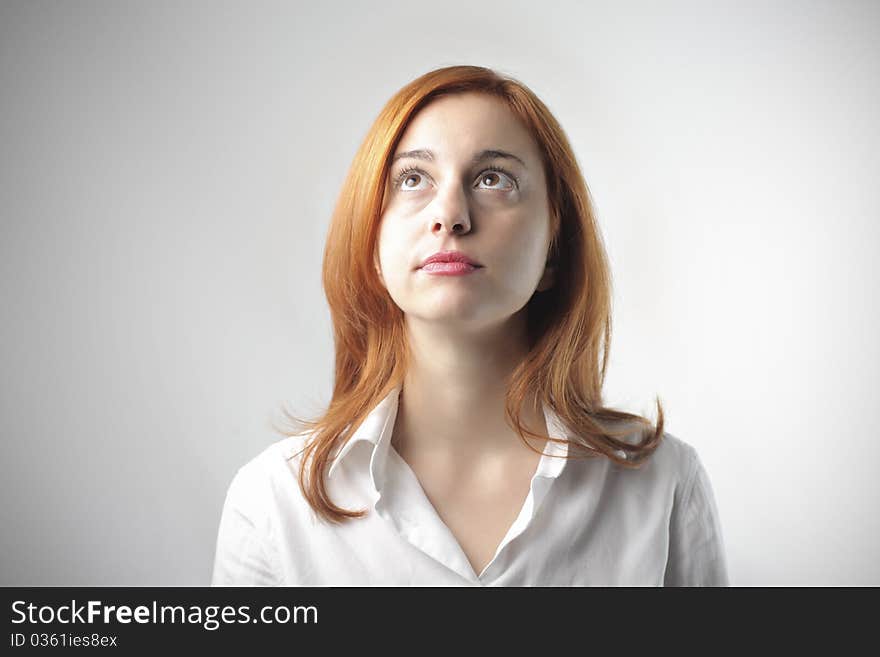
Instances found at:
x=449 y=268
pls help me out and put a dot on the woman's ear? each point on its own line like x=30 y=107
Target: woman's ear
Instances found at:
x=378 y=268
x=548 y=278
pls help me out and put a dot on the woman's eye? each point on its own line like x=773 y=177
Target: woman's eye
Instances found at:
x=497 y=177
x=409 y=179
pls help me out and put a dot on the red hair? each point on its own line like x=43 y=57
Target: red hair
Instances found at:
x=569 y=324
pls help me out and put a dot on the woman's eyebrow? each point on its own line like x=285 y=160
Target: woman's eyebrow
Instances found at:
x=488 y=154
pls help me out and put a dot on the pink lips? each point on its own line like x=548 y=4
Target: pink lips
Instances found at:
x=450 y=263
x=449 y=268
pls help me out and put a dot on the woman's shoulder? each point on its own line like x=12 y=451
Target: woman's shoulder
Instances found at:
x=676 y=454
x=674 y=458
x=275 y=458
x=269 y=471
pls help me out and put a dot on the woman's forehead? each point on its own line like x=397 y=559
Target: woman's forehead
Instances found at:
x=467 y=123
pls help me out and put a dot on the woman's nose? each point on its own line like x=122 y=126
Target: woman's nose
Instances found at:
x=451 y=211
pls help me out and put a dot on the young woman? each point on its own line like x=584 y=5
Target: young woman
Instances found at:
x=470 y=297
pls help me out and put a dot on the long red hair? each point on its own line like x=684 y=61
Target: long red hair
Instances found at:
x=569 y=324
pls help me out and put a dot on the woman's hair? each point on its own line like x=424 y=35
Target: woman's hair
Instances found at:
x=569 y=324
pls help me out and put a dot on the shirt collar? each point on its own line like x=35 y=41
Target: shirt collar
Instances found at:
x=378 y=426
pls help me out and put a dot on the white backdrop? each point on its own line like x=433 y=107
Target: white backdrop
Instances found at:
x=167 y=176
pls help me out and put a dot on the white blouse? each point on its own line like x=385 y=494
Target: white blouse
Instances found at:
x=585 y=522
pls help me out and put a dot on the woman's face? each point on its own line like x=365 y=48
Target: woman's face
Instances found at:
x=454 y=202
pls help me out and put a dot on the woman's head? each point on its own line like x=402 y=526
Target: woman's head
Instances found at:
x=542 y=248
x=466 y=175
x=533 y=229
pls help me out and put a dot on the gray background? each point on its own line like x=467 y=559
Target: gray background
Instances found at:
x=167 y=176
